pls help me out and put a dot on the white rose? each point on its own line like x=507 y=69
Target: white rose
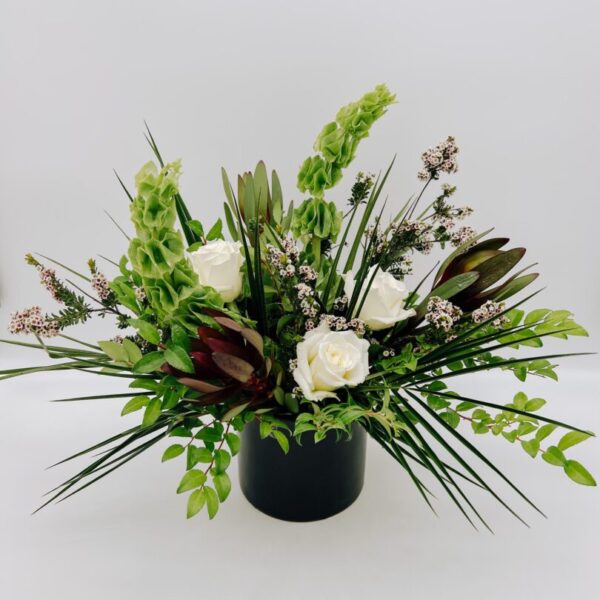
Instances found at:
x=384 y=305
x=218 y=265
x=329 y=360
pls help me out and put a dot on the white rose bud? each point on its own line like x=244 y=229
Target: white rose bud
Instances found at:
x=218 y=265
x=384 y=305
x=329 y=360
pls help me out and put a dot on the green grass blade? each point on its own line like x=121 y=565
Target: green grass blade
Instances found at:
x=123 y=186
x=117 y=225
x=65 y=267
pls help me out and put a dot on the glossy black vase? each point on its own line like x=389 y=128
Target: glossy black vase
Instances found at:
x=310 y=482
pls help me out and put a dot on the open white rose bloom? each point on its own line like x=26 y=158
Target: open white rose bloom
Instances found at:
x=218 y=265
x=383 y=306
x=329 y=360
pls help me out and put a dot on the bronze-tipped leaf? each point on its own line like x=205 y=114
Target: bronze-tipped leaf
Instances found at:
x=235 y=367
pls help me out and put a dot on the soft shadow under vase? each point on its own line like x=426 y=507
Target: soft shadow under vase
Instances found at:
x=310 y=482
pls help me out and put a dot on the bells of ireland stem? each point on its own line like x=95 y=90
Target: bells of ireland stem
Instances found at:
x=337 y=142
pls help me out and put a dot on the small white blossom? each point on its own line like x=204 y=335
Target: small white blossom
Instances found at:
x=439 y=158
x=48 y=280
x=490 y=310
x=140 y=293
x=100 y=285
x=31 y=320
x=442 y=314
x=462 y=235
x=307 y=273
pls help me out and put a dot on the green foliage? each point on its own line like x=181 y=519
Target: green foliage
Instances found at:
x=136 y=403
x=196 y=501
x=191 y=480
x=151 y=413
x=146 y=330
x=522 y=426
x=256 y=200
x=178 y=357
x=150 y=362
x=214 y=458
x=172 y=451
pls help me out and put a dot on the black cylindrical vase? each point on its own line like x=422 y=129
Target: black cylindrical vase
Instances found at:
x=312 y=481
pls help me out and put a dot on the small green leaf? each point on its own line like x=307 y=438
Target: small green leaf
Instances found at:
x=279 y=396
x=212 y=501
x=572 y=438
x=531 y=446
x=146 y=330
x=196 y=501
x=151 y=413
x=191 y=480
x=222 y=460
x=536 y=315
x=451 y=418
x=520 y=400
x=180 y=337
x=198 y=455
x=170 y=398
x=172 y=452
x=282 y=440
x=478 y=427
x=146 y=384
x=234 y=412
x=177 y=357
x=534 y=404
x=152 y=361
x=436 y=402
x=544 y=431
x=208 y=434
x=114 y=350
x=524 y=428
x=480 y=414
x=554 y=456
x=578 y=473
x=264 y=430
x=216 y=231
x=222 y=484
x=291 y=403
x=233 y=441
x=134 y=354
x=196 y=227
x=134 y=404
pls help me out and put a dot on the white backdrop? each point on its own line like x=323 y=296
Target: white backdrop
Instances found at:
x=228 y=83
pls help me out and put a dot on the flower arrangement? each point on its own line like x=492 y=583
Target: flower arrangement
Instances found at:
x=305 y=322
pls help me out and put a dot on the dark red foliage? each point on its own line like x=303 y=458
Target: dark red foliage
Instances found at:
x=229 y=364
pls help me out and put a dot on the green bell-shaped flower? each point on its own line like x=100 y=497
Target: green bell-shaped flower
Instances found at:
x=155 y=257
x=316 y=174
x=167 y=293
x=316 y=218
